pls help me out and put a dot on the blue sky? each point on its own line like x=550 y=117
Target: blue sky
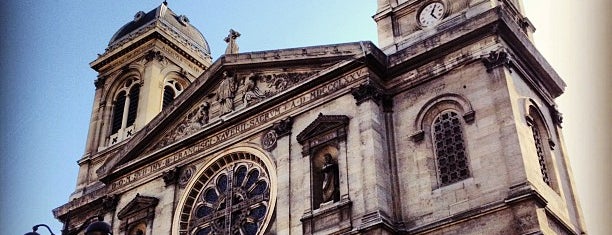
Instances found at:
x=46 y=86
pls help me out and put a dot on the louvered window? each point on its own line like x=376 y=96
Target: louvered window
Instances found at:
x=133 y=108
x=118 y=112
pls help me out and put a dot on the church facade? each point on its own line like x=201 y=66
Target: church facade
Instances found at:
x=447 y=126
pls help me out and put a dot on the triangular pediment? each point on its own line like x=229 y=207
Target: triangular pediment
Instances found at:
x=235 y=87
x=322 y=125
x=139 y=203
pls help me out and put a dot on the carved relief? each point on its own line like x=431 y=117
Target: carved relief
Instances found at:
x=253 y=88
x=268 y=140
x=186 y=175
x=193 y=122
x=226 y=92
x=251 y=93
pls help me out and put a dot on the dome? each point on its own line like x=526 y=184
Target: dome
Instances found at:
x=162 y=13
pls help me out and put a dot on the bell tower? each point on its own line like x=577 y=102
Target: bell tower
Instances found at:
x=148 y=62
x=403 y=22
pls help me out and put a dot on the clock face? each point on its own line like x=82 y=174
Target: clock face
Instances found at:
x=431 y=14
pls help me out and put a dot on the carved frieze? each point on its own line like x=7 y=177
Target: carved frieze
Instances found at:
x=195 y=120
x=234 y=88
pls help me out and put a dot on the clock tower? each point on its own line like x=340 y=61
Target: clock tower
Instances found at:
x=475 y=57
x=403 y=22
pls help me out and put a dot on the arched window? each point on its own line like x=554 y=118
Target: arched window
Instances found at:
x=133 y=109
x=172 y=89
x=451 y=157
x=232 y=196
x=125 y=110
x=118 y=111
x=543 y=146
x=169 y=96
x=537 y=138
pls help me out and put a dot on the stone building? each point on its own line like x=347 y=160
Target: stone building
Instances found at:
x=447 y=126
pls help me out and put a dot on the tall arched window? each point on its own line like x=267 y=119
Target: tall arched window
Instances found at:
x=172 y=89
x=125 y=110
x=451 y=157
x=118 y=111
x=543 y=146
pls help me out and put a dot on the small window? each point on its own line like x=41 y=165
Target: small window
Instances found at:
x=133 y=109
x=169 y=96
x=172 y=89
x=118 y=112
x=540 y=151
x=452 y=163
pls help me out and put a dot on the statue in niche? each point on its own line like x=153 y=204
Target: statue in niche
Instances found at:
x=252 y=94
x=226 y=92
x=330 y=186
x=232 y=46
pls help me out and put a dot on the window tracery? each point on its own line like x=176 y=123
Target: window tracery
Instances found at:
x=452 y=163
x=125 y=110
x=172 y=89
x=233 y=196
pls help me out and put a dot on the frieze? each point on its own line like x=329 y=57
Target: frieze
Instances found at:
x=206 y=144
x=250 y=90
x=136 y=52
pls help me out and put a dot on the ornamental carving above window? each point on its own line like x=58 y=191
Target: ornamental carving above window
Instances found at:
x=232 y=196
x=450 y=148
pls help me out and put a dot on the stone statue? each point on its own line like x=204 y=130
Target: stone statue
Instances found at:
x=251 y=92
x=225 y=94
x=330 y=177
x=232 y=46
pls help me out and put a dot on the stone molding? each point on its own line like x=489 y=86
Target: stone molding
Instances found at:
x=324 y=129
x=140 y=209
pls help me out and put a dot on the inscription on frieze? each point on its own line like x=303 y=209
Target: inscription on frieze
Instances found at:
x=259 y=120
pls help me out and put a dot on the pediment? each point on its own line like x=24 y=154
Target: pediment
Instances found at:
x=322 y=125
x=234 y=87
x=139 y=203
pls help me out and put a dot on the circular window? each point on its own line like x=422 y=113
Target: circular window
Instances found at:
x=231 y=196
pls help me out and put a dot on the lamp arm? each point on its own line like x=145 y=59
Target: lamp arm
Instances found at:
x=44 y=225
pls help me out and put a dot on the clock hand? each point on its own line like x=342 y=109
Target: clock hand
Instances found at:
x=432 y=11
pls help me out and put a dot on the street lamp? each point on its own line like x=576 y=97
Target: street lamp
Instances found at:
x=36 y=228
x=96 y=228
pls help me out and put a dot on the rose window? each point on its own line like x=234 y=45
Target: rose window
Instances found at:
x=234 y=200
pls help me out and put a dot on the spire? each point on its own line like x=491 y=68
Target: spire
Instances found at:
x=232 y=46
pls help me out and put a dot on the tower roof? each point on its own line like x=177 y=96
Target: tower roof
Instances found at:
x=162 y=16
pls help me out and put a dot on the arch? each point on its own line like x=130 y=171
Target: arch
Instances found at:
x=119 y=81
x=214 y=186
x=543 y=143
x=532 y=109
x=174 y=85
x=439 y=104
